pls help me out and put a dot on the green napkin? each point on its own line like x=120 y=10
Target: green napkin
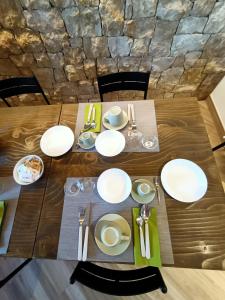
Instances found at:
x=155 y=260
x=98 y=116
x=2 y=212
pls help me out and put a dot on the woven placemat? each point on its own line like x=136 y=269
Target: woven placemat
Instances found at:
x=145 y=120
x=68 y=241
x=9 y=192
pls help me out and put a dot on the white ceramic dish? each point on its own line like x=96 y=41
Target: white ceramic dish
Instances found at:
x=121 y=126
x=15 y=173
x=114 y=185
x=184 y=180
x=125 y=229
x=110 y=143
x=57 y=140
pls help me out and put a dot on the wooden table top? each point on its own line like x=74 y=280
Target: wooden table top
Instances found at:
x=197 y=230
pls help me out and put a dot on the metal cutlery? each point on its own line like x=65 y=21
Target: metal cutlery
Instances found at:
x=133 y=121
x=139 y=221
x=93 y=122
x=157 y=186
x=87 y=218
x=80 y=237
x=145 y=214
x=87 y=125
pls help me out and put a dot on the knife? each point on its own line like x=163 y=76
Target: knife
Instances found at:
x=85 y=247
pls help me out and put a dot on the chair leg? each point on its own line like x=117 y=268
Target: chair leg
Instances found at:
x=6 y=102
x=73 y=276
x=14 y=272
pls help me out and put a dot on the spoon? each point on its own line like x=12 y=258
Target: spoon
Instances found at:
x=139 y=221
x=145 y=214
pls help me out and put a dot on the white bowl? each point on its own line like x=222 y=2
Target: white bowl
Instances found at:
x=110 y=143
x=57 y=140
x=114 y=185
x=15 y=173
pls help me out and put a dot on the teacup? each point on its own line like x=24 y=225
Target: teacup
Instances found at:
x=143 y=189
x=86 y=139
x=111 y=235
x=114 y=116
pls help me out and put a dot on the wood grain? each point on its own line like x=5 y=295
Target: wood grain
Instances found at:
x=20 y=132
x=182 y=134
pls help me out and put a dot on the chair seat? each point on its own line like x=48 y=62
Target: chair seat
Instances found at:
x=117 y=282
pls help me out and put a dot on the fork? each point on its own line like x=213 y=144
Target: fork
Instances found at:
x=87 y=125
x=80 y=238
x=157 y=186
x=133 y=123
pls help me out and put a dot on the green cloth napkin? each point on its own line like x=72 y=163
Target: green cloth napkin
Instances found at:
x=98 y=116
x=155 y=260
x=2 y=212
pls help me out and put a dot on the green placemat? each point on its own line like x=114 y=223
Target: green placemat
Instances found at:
x=2 y=213
x=155 y=259
x=98 y=116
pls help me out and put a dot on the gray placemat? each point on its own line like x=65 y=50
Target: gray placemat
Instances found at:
x=145 y=120
x=9 y=192
x=68 y=240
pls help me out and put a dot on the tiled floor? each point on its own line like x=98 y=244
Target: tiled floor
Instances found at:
x=47 y=280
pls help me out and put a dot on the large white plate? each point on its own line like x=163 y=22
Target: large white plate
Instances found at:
x=114 y=185
x=110 y=143
x=184 y=180
x=57 y=140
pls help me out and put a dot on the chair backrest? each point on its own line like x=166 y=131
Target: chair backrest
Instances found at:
x=123 y=81
x=20 y=85
x=117 y=282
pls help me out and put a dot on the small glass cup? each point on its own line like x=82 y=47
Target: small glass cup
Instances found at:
x=133 y=139
x=83 y=185
x=149 y=141
x=87 y=185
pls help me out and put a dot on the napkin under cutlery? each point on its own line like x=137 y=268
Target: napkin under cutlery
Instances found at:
x=155 y=260
x=98 y=116
x=2 y=213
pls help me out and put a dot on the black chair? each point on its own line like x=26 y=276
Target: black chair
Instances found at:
x=116 y=282
x=218 y=146
x=123 y=81
x=21 y=85
x=14 y=272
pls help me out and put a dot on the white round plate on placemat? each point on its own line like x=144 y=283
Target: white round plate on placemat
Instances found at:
x=114 y=185
x=184 y=180
x=57 y=140
x=110 y=143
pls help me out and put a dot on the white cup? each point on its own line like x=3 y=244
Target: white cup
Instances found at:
x=86 y=139
x=143 y=189
x=111 y=235
x=114 y=116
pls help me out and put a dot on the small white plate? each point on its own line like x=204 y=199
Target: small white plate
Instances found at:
x=121 y=126
x=57 y=140
x=125 y=229
x=110 y=143
x=184 y=180
x=15 y=173
x=114 y=185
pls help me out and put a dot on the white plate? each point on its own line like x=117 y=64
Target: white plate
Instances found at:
x=108 y=126
x=184 y=180
x=110 y=143
x=114 y=185
x=15 y=173
x=57 y=140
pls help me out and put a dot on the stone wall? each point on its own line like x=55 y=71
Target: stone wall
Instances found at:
x=67 y=43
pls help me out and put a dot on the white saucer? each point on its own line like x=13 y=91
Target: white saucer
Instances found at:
x=15 y=173
x=90 y=146
x=114 y=185
x=122 y=224
x=110 y=143
x=184 y=180
x=57 y=140
x=108 y=126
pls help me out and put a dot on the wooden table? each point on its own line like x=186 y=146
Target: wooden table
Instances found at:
x=197 y=230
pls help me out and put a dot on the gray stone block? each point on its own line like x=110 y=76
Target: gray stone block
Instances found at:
x=161 y=64
x=184 y=43
x=35 y=4
x=202 y=8
x=129 y=64
x=140 y=47
x=119 y=46
x=144 y=8
x=173 y=10
x=71 y=19
x=140 y=28
x=215 y=46
x=62 y=3
x=106 y=66
x=90 y=22
x=216 y=22
x=192 y=25
x=96 y=47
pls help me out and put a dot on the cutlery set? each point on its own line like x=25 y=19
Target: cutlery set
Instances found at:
x=84 y=217
x=143 y=218
x=91 y=123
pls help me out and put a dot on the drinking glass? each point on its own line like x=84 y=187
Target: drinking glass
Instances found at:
x=149 y=141
x=83 y=185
